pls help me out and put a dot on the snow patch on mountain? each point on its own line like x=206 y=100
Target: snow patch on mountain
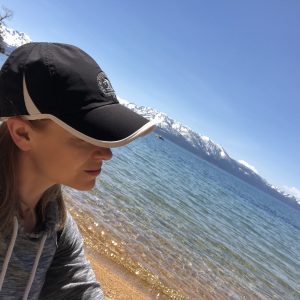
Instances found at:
x=13 y=39
x=252 y=168
x=292 y=191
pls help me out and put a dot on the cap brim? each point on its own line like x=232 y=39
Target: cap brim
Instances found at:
x=112 y=125
x=106 y=126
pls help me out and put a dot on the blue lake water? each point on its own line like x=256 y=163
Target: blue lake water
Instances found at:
x=191 y=230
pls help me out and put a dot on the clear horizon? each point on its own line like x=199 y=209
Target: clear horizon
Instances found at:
x=229 y=71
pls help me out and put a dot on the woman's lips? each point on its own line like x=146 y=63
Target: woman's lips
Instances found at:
x=93 y=172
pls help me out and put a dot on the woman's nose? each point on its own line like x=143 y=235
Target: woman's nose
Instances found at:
x=103 y=154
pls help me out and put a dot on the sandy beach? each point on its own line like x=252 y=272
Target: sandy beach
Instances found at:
x=116 y=284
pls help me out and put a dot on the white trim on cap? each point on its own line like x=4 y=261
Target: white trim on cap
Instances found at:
x=35 y=114
x=30 y=106
x=147 y=128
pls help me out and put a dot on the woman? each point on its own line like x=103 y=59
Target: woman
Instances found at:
x=60 y=118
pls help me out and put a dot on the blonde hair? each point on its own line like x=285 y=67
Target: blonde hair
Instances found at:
x=8 y=187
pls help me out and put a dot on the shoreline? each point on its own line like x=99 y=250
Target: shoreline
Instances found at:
x=116 y=282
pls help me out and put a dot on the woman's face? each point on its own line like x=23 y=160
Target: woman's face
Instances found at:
x=62 y=158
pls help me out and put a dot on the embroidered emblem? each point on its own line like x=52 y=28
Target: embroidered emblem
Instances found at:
x=105 y=85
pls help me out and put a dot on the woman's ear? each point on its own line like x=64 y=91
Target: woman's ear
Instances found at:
x=19 y=130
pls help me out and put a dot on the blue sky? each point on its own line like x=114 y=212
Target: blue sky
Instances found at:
x=229 y=69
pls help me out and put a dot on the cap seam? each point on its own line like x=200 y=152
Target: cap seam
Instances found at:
x=49 y=62
x=5 y=66
x=25 y=62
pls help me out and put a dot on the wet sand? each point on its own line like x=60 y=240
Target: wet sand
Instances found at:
x=116 y=284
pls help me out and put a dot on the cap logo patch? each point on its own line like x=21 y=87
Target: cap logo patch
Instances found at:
x=105 y=85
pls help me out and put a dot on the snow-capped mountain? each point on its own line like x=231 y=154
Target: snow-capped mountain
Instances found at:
x=179 y=130
x=200 y=145
x=205 y=148
x=13 y=39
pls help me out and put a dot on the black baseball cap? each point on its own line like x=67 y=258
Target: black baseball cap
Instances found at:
x=63 y=83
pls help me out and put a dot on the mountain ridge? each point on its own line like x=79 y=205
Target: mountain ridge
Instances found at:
x=205 y=148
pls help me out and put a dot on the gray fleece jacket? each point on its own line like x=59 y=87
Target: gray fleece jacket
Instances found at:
x=42 y=266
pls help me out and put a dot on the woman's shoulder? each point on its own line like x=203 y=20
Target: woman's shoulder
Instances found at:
x=70 y=234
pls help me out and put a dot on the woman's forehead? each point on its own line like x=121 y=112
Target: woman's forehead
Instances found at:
x=58 y=130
